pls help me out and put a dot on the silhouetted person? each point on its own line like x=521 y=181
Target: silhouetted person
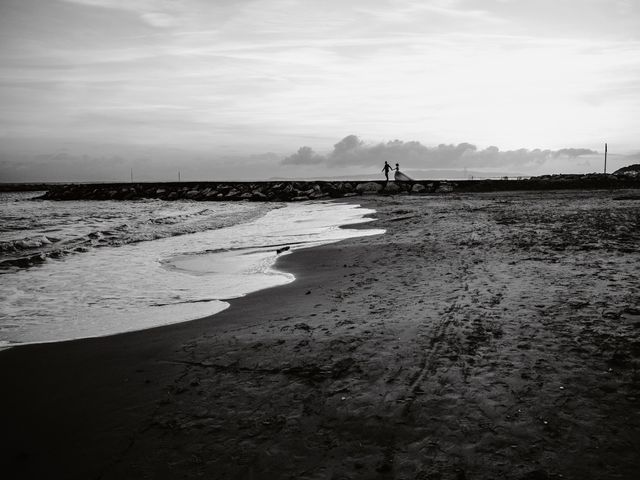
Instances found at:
x=401 y=177
x=386 y=169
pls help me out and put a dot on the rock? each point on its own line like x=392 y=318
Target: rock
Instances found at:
x=391 y=187
x=300 y=198
x=281 y=196
x=334 y=189
x=368 y=188
x=318 y=194
x=418 y=188
x=630 y=171
x=444 y=188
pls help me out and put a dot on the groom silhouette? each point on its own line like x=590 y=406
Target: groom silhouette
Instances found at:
x=386 y=169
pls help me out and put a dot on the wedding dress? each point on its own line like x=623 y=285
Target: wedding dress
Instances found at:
x=401 y=177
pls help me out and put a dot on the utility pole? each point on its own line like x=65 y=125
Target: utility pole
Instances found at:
x=605 y=158
x=178 y=175
x=131 y=174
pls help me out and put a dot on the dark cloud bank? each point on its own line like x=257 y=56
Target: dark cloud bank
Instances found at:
x=351 y=151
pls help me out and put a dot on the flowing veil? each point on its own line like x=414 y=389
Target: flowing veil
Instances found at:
x=401 y=177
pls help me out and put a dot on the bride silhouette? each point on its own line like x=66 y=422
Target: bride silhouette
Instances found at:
x=401 y=177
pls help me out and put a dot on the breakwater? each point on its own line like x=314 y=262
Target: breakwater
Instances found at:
x=288 y=191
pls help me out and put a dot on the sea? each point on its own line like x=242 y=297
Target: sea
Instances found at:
x=79 y=269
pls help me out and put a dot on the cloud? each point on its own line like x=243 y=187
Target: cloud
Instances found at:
x=347 y=144
x=158 y=19
x=575 y=152
x=304 y=156
x=257 y=75
x=351 y=151
x=157 y=13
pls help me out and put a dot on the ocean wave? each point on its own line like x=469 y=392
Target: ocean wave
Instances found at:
x=26 y=243
x=113 y=290
x=37 y=231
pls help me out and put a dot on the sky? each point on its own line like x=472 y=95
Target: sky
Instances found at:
x=254 y=89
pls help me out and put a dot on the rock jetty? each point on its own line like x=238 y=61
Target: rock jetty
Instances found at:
x=286 y=191
x=630 y=170
x=296 y=191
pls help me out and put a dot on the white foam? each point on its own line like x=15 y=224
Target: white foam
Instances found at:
x=113 y=290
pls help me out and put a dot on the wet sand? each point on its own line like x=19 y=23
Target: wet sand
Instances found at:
x=483 y=336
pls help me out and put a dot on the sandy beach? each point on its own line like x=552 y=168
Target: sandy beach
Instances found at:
x=483 y=336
